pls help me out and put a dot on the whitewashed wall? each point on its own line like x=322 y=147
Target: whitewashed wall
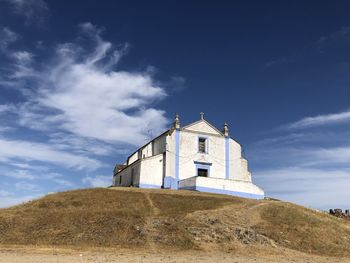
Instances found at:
x=126 y=175
x=146 y=151
x=152 y=171
x=189 y=153
x=238 y=165
x=133 y=158
x=159 y=145
x=246 y=176
x=235 y=160
x=222 y=186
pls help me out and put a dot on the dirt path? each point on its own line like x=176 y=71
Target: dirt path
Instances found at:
x=64 y=256
x=155 y=210
x=150 y=227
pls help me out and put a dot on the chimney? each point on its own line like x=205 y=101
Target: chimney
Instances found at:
x=176 y=123
x=225 y=131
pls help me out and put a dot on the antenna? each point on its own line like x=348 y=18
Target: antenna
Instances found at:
x=149 y=135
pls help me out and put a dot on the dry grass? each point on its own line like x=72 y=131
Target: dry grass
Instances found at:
x=305 y=230
x=129 y=218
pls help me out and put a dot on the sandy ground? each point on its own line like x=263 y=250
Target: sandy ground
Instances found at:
x=47 y=255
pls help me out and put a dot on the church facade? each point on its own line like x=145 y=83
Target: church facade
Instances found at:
x=196 y=157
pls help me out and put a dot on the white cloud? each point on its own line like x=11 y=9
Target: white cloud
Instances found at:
x=25 y=186
x=318 y=188
x=23 y=56
x=333 y=155
x=56 y=178
x=78 y=106
x=32 y=151
x=302 y=155
x=18 y=174
x=24 y=165
x=98 y=181
x=80 y=145
x=8 y=201
x=33 y=173
x=320 y=120
x=63 y=182
x=309 y=168
x=4 y=193
x=81 y=92
x=22 y=63
x=5 y=108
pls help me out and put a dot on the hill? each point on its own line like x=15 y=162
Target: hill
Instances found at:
x=166 y=219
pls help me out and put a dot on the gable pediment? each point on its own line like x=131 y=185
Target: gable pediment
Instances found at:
x=202 y=126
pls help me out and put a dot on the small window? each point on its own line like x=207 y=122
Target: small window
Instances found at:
x=203 y=172
x=201 y=145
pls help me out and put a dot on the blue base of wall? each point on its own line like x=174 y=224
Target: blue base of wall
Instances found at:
x=225 y=192
x=149 y=186
x=174 y=185
x=170 y=182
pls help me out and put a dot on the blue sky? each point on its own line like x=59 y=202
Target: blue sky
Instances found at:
x=84 y=83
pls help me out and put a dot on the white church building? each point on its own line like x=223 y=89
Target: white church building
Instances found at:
x=197 y=157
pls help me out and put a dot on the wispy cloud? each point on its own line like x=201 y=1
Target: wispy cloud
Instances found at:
x=319 y=46
x=75 y=110
x=33 y=11
x=7 y=37
x=10 y=200
x=97 y=181
x=318 y=188
x=25 y=186
x=4 y=108
x=34 y=177
x=82 y=93
x=320 y=120
x=283 y=60
x=309 y=167
x=4 y=193
x=343 y=34
x=31 y=151
x=18 y=174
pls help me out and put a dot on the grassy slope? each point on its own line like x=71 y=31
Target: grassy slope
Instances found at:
x=176 y=219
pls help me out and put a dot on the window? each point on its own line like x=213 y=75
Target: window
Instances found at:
x=202 y=145
x=202 y=172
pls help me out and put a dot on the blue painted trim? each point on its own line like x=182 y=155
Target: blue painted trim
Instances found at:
x=225 y=192
x=148 y=186
x=203 y=166
x=168 y=181
x=227 y=156
x=177 y=159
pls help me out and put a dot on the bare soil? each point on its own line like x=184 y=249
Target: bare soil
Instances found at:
x=54 y=255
